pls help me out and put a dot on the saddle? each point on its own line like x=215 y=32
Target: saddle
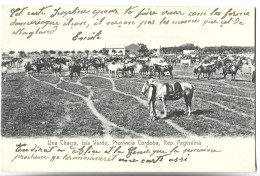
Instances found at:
x=174 y=91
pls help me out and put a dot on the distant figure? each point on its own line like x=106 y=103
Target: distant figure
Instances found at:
x=4 y=73
x=253 y=74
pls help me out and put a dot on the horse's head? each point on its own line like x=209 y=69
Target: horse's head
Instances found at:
x=147 y=85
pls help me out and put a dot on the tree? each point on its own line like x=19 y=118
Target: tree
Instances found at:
x=95 y=51
x=44 y=52
x=36 y=53
x=120 y=52
x=59 y=53
x=188 y=46
x=80 y=53
x=22 y=54
x=52 y=52
x=114 y=51
x=87 y=51
x=66 y=52
x=143 y=51
x=73 y=53
x=11 y=52
x=105 y=51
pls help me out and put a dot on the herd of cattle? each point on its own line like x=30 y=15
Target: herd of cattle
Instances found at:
x=206 y=65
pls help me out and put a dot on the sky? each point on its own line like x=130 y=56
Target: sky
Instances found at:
x=154 y=36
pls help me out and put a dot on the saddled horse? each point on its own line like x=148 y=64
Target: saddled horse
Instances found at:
x=166 y=91
x=206 y=69
x=75 y=70
x=231 y=69
x=162 y=68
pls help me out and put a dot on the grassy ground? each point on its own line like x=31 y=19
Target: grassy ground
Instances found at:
x=128 y=113
x=32 y=108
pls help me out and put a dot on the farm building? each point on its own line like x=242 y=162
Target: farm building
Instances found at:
x=189 y=52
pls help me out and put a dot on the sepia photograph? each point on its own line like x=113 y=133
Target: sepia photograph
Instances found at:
x=139 y=88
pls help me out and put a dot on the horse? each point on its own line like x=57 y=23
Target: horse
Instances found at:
x=174 y=61
x=231 y=69
x=75 y=69
x=129 y=67
x=19 y=62
x=4 y=73
x=142 y=69
x=85 y=66
x=98 y=62
x=29 y=67
x=208 y=69
x=56 y=67
x=103 y=63
x=185 y=62
x=162 y=68
x=195 y=70
x=166 y=91
x=139 y=68
x=115 y=67
x=39 y=67
x=146 y=68
x=6 y=63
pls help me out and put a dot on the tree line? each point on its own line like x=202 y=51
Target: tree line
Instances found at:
x=143 y=50
x=208 y=49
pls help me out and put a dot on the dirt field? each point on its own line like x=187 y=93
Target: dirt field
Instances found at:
x=98 y=106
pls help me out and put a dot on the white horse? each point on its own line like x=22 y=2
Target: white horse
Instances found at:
x=4 y=73
x=138 y=67
x=163 y=92
x=186 y=62
x=115 y=67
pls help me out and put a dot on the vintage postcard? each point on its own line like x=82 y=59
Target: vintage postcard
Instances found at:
x=128 y=89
